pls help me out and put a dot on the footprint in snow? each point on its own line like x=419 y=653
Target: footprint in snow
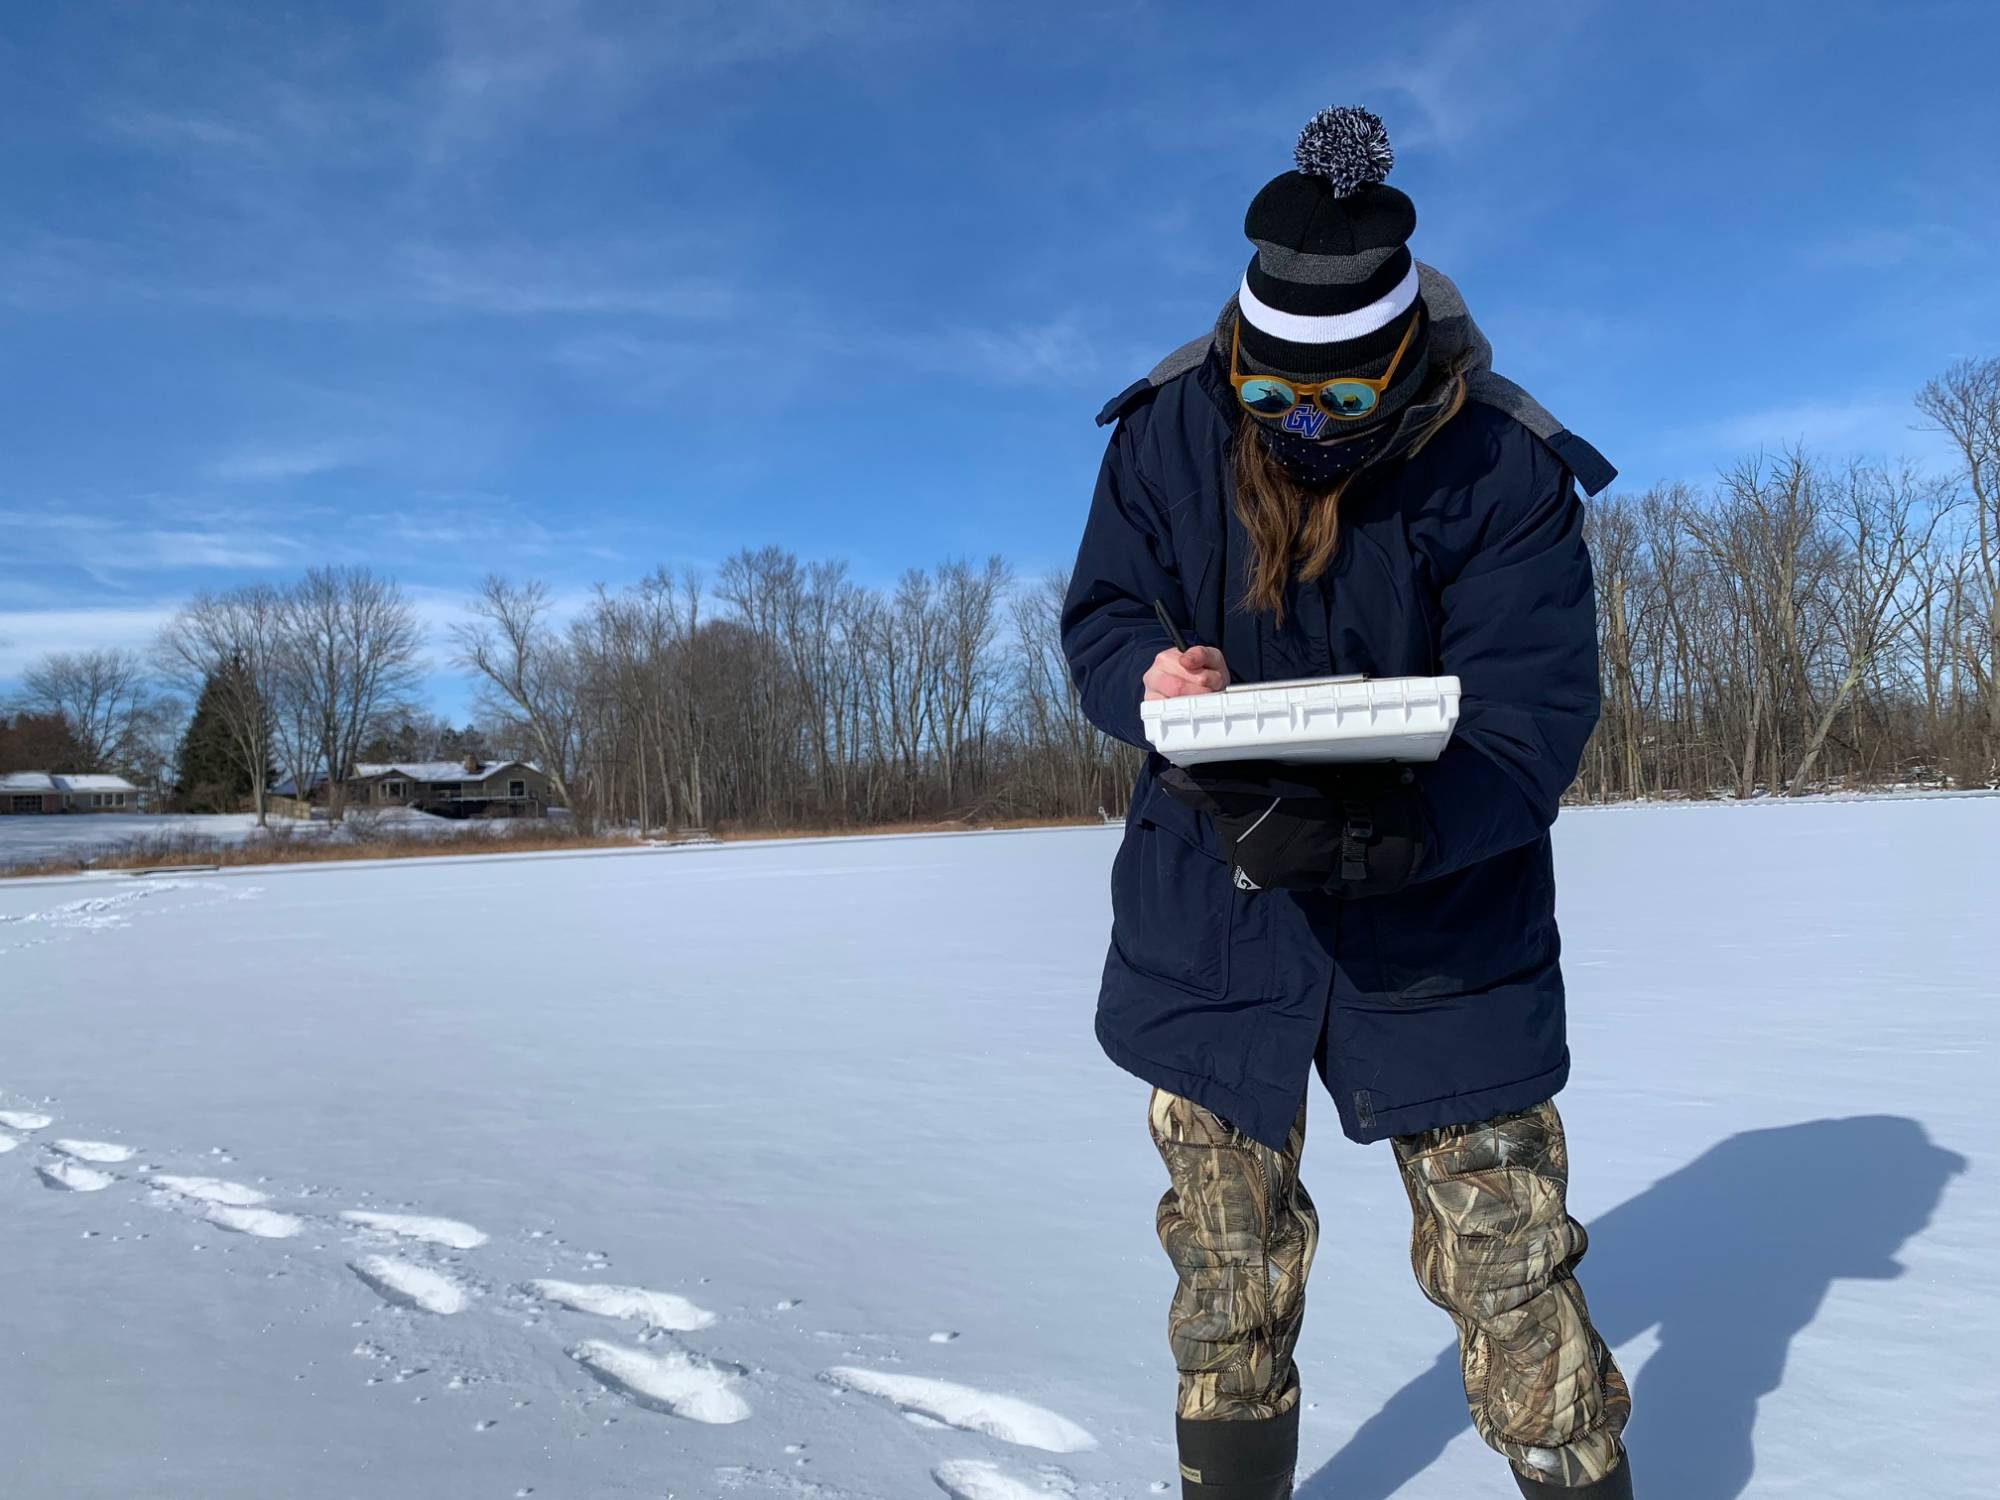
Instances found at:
x=675 y=1382
x=778 y=1482
x=977 y=1479
x=97 y=912
x=71 y=1177
x=25 y=1119
x=449 y=1233
x=1008 y=1418
x=654 y=1309
x=102 y=1152
x=406 y=1284
x=264 y=1223
x=211 y=1190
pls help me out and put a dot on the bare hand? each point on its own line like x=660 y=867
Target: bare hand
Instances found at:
x=1177 y=674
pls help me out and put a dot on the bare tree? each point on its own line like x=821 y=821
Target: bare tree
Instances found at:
x=236 y=641
x=527 y=669
x=1965 y=403
x=349 y=644
x=1885 y=522
x=102 y=698
x=969 y=605
x=1067 y=766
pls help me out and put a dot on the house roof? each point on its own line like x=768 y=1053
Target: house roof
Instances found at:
x=45 y=781
x=414 y=770
x=95 y=784
x=435 y=770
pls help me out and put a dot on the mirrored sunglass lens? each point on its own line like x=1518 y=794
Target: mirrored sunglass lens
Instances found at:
x=1348 y=400
x=1267 y=397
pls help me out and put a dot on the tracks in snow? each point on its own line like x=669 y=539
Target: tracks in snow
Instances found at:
x=114 y=909
x=415 y=1263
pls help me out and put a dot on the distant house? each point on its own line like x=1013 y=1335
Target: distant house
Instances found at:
x=59 y=792
x=469 y=788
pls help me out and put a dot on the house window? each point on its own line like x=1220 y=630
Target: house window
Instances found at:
x=28 y=804
x=517 y=790
x=392 y=788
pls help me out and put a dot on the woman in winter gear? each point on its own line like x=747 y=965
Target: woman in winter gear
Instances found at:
x=1333 y=480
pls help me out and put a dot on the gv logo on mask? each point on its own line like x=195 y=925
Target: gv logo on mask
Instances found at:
x=1305 y=420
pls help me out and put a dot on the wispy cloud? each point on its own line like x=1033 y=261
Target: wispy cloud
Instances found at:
x=175 y=132
x=631 y=277
x=297 y=437
x=1879 y=424
x=647 y=367
x=297 y=461
x=1889 y=247
x=1054 y=351
x=1466 y=73
x=28 y=634
x=505 y=63
x=639 y=367
x=1049 y=351
x=110 y=547
x=1836 y=419
x=494 y=529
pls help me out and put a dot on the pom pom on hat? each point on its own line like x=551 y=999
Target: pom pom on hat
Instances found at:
x=1346 y=145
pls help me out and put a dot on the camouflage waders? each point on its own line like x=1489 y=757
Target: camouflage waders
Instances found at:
x=1493 y=1245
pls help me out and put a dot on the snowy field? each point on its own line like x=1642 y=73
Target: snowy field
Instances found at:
x=35 y=839
x=794 y=1171
x=29 y=839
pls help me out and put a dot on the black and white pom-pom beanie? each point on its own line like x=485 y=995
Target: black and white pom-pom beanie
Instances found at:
x=1332 y=288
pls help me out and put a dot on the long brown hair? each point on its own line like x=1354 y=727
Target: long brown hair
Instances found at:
x=1296 y=529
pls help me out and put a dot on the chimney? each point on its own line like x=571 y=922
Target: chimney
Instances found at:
x=471 y=764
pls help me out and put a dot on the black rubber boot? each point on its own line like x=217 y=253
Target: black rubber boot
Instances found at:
x=1242 y=1460
x=1617 y=1485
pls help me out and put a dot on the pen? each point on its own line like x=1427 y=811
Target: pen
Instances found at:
x=1167 y=623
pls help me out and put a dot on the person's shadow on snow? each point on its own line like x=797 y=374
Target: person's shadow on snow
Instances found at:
x=1727 y=1258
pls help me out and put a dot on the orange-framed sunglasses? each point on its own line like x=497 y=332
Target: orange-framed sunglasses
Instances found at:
x=1345 y=400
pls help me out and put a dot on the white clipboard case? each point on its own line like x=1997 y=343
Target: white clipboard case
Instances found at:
x=1315 y=721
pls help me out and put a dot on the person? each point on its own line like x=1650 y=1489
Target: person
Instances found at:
x=1334 y=480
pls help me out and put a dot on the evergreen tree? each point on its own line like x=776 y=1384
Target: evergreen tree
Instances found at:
x=208 y=765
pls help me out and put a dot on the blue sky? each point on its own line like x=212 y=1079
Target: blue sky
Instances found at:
x=576 y=289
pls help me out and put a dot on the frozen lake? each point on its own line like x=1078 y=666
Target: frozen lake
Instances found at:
x=38 y=838
x=29 y=839
x=794 y=1170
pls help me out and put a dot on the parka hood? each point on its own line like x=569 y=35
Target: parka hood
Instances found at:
x=1456 y=343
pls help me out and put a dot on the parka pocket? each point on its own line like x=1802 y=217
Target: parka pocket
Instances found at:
x=1480 y=929
x=1172 y=900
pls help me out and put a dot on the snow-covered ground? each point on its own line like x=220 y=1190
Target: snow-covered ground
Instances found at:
x=34 y=840
x=29 y=840
x=793 y=1170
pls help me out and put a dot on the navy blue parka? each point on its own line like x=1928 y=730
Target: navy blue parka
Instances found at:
x=1441 y=1003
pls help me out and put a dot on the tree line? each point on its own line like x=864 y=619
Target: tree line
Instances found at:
x=1796 y=626
x=1803 y=624
x=241 y=687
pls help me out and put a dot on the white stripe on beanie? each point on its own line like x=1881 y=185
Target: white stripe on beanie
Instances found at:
x=1332 y=328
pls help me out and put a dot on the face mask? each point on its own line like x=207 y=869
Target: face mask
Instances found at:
x=1319 y=465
